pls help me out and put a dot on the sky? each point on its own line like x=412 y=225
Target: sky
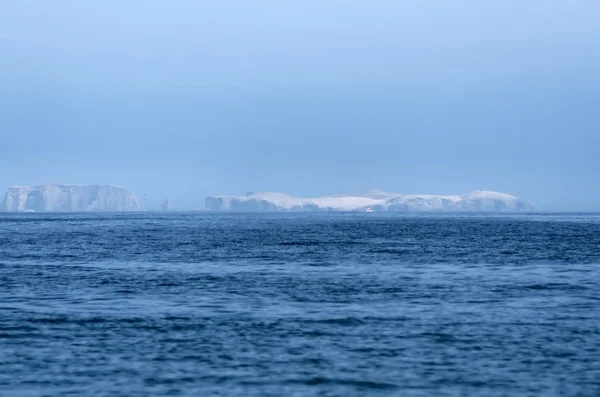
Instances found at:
x=190 y=98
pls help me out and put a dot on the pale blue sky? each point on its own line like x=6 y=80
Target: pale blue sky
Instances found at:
x=187 y=98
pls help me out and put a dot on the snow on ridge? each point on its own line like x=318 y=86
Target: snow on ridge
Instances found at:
x=488 y=194
x=377 y=200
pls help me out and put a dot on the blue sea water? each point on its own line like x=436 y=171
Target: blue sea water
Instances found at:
x=299 y=305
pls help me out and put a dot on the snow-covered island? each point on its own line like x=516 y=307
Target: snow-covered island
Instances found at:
x=67 y=198
x=374 y=200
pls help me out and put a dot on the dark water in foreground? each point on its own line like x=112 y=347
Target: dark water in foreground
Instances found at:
x=272 y=305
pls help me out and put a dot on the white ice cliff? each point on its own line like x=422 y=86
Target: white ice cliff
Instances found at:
x=69 y=198
x=376 y=200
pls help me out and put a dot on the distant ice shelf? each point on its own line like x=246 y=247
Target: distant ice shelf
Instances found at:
x=374 y=200
x=67 y=198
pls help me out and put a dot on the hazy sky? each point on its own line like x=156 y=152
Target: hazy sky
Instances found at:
x=181 y=99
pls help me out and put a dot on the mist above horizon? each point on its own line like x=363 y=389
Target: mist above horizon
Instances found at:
x=190 y=100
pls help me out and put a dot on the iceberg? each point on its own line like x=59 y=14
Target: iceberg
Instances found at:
x=67 y=198
x=373 y=200
x=166 y=206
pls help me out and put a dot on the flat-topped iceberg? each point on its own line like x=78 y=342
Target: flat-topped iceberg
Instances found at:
x=375 y=200
x=67 y=198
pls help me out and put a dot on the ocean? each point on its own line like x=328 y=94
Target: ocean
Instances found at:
x=329 y=304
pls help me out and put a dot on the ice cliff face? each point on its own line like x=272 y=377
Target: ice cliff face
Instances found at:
x=376 y=200
x=69 y=198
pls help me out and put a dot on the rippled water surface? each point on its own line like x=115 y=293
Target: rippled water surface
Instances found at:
x=299 y=305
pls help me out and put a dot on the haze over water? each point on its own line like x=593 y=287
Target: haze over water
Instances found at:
x=177 y=101
x=190 y=99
